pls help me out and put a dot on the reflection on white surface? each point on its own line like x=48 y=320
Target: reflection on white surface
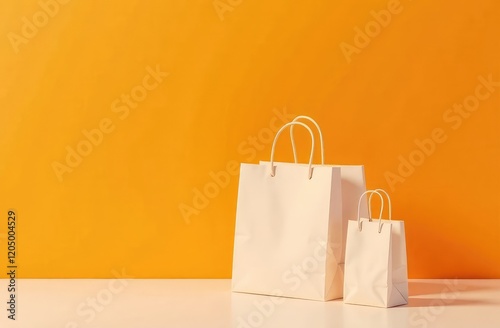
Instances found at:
x=249 y=311
x=210 y=304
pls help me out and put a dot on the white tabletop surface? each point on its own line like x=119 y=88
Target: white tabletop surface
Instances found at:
x=124 y=303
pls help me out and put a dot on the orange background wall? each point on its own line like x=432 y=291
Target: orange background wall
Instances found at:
x=182 y=90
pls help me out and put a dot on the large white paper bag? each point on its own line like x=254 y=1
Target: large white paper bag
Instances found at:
x=288 y=230
x=375 y=263
x=352 y=178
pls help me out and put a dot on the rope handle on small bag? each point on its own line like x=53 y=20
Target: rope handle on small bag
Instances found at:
x=388 y=201
x=381 y=209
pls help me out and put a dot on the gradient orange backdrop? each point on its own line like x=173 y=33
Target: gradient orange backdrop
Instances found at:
x=181 y=91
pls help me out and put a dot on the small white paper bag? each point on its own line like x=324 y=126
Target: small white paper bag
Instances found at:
x=375 y=263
